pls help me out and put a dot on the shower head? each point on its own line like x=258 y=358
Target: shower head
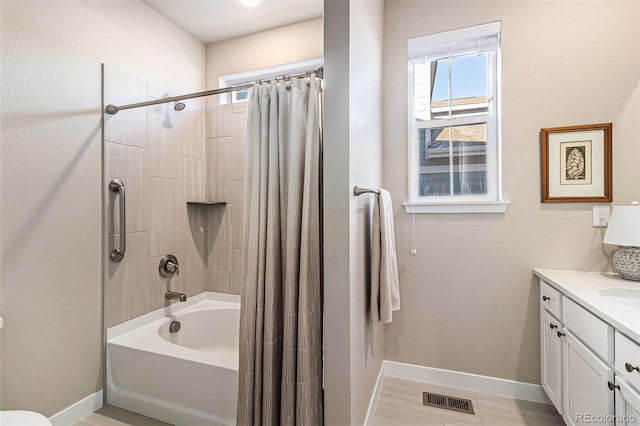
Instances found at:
x=177 y=106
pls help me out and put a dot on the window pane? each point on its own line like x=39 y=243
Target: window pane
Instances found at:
x=240 y=95
x=452 y=160
x=464 y=76
x=469 y=77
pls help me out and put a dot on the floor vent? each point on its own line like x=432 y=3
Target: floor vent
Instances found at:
x=447 y=402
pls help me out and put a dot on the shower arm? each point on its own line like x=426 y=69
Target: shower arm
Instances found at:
x=113 y=109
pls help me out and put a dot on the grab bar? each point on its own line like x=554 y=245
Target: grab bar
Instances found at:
x=357 y=191
x=116 y=255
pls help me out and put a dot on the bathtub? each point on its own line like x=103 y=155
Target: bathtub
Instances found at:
x=184 y=378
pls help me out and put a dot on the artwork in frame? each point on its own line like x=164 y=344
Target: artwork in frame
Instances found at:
x=577 y=164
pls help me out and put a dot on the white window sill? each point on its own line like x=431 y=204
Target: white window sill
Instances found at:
x=460 y=207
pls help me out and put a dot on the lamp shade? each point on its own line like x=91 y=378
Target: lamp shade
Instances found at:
x=624 y=226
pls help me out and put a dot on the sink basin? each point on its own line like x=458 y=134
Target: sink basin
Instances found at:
x=629 y=297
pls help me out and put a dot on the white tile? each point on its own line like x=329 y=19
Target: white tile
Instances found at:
x=236 y=285
x=195 y=179
x=128 y=127
x=218 y=169
x=124 y=281
x=238 y=143
x=237 y=214
x=218 y=230
x=164 y=130
x=238 y=107
x=192 y=266
x=193 y=130
x=164 y=203
x=218 y=281
x=219 y=121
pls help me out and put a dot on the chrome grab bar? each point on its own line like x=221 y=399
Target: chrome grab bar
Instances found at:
x=116 y=255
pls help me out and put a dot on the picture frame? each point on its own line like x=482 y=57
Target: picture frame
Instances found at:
x=577 y=164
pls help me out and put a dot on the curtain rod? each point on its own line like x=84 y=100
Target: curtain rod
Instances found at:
x=113 y=109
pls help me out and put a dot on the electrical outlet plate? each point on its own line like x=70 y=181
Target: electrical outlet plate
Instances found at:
x=601 y=216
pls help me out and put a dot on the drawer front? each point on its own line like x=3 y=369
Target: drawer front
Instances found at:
x=628 y=352
x=594 y=332
x=550 y=298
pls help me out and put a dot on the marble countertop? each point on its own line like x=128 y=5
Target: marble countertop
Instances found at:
x=600 y=293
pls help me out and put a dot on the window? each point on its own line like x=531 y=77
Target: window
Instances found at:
x=454 y=150
x=263 y=74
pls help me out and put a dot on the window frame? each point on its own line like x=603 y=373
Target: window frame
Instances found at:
x=491 y=202
x=266 y=73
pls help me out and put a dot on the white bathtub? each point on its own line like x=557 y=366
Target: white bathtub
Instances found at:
x=184 y=378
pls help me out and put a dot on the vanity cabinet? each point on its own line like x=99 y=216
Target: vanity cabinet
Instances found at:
x=627 y=383
x=586 y=384
x=588 y=357
x=551 y=360
x=627 y=404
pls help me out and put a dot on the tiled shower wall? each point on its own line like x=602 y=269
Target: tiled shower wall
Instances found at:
x=225 y=181
x=160 y=155
x=166 y=158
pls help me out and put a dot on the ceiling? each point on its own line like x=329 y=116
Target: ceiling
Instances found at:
x=214 y=20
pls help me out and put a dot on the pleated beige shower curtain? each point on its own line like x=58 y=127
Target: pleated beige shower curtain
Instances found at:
x=281 y=316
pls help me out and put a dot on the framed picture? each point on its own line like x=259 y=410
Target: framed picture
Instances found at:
x=577 y=164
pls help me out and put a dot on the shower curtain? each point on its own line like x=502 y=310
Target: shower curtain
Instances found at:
x=281 y=315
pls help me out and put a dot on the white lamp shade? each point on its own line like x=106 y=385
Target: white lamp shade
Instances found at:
x=624 y=226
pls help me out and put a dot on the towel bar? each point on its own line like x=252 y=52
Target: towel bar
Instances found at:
x=359 y=191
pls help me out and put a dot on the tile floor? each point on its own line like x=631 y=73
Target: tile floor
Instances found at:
x=400 y=404
x=113 y=416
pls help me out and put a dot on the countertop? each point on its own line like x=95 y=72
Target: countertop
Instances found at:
x=585 y=289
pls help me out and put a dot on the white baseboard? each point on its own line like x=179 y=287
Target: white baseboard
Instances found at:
x=467 y=381
x=78 y=411
x=374 y=397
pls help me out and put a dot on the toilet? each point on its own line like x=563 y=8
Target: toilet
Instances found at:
x=22 y=418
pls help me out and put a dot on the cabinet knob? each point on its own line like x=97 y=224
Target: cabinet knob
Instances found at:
x=630 y=367
x=545 y=298
x=612 y=386
x=552 y=326
x=560 y=334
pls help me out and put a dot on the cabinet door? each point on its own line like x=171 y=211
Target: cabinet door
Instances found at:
x=587 y=397
x=551 y=358
x=627 y=404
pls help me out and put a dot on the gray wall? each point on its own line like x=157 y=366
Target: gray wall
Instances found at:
x=51 y=171
x=352 y=156
x=290 y=43
x=469 y=299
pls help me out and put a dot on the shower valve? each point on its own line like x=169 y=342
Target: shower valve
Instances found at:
x=169 y=266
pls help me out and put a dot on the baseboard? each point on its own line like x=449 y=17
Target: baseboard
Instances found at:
x=472 y=382
x=78 y=411
x=374 y=397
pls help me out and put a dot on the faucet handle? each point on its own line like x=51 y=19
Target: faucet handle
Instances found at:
x=169 y=266
x=172 y=267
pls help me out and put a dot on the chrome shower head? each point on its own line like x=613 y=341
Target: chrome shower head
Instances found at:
x=178 y=106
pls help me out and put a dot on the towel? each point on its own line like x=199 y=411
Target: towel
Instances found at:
x=385 y=285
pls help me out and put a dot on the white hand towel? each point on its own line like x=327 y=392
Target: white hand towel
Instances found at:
x=385 y=285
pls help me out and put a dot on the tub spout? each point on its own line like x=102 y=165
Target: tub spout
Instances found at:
x=173 y=295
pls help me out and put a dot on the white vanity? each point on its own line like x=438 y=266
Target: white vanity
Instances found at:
x=590 y=346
